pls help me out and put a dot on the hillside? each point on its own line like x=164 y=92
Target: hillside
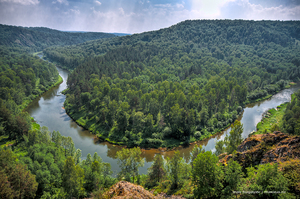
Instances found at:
x=212 y=37
x=177 y=85
x=39 y=38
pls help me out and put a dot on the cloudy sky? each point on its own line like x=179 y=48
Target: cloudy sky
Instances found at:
x=135 y=16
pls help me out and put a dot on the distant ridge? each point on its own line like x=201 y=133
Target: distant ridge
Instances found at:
x=39 y=38
x=121 y=34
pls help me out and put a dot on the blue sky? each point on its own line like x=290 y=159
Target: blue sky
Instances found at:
x=135 y=16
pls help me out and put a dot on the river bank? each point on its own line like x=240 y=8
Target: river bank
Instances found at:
x=25 y=104
x=170 y=144
x=48 y=111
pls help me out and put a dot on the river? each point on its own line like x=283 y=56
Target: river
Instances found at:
x=48 y=111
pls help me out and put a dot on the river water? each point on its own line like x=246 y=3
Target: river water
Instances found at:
x=48 y=111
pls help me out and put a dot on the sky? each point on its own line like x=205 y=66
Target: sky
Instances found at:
x=136 y=16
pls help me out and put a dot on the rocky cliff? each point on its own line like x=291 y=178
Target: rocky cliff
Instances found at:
x=260 y=149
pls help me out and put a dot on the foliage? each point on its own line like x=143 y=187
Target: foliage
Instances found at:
x=235 y=137
x=231 y=141
x=291 y=171
x=207 y=176
x=129 y=161
x=16 y=181
x=176 y=85
x=220 y=148
x=97 y=173
x=272 y=120
x=291 y=118
x=156 y=172
x=195 y=152
x=264 y=180
x=177 y=170
x=73 y=178
x=22 y=76
x=232 y=178
x=38 y=38
x=155 y=89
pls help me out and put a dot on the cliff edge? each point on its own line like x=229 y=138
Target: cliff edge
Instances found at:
x=266 y=148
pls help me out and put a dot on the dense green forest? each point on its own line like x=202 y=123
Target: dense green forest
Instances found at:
x=151 y=90
x=291 y=118
x=33 y=159
x=179 y=84
x=46 y=165
x=23 y=77
x=38 y=38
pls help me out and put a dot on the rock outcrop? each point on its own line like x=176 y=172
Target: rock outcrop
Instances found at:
x=260 y=149
x=126 y=190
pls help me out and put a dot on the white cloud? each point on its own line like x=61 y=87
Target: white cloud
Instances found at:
x=167 y=5
x=98 y=3
x=121 y=10
x=63 y=2
x=208 y=8
x=178 y=5
x=258 y=12
x=23 y=2
x=76 y=12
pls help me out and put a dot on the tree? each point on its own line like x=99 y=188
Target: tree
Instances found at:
x=267 y=177
x=219 y=148
x=195 y=152
x=157 y=170
x=231 y=142
x=129 y=161
x=16 y=180
x=233 y=177
x=177 y=170
x=68 y=145
x=207 y=175
x=235 y=138
x=77 y=156
x=72 y=178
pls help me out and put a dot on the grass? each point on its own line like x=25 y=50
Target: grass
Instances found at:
x=271 y=118
x=34 y=125
x=36 y=53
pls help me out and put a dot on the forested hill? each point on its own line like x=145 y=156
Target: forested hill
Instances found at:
x=180 y=84
x=222 y=39
x=39 y=38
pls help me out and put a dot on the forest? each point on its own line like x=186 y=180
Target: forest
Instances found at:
x=156 y=89
x=27 y=153
x=24 y=76
x=35 y=39
x=44 y=164
x=180 y=84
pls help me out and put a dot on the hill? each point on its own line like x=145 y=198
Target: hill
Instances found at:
x=211 y=36
x=38 y=38
x=180 y=84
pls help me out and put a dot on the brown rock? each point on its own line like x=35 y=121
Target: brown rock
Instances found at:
x=261 y=149
x=126 y=190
